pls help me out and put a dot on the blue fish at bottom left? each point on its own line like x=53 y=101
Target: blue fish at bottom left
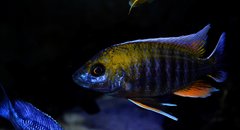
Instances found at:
x=24 y=116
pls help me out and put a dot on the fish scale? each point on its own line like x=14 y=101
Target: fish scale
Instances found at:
x=158 y=75
x=153 y=83
x=24 y=116
x=167 y=60
x=183 y=74
x=148 y=75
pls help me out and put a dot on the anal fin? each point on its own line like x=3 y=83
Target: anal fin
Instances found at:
x=147 y=107
x=198 y=89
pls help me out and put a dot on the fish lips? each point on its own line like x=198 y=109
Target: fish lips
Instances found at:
x=79 y=80
x=82 y=80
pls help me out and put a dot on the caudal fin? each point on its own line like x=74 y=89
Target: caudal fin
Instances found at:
x=4 y=103
x=216 y=57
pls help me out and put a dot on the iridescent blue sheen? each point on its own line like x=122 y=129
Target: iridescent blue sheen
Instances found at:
x=24 y=116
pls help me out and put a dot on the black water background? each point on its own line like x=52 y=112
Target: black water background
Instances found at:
x=43 y=42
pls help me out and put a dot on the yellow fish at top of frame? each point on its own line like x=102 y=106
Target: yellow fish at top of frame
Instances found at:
x=134 y=3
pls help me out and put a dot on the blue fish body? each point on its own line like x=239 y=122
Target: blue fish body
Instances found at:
x=24 y=116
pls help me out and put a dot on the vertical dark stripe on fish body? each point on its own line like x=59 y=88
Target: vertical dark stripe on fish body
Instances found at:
x=197 y=66
x=117 y=80
x=168 y=70
x=136 y=84
x=157 y=70
x=129 y=84
x=163 y=74
x=183 y=72
x=185 y=69
x=177 y=70
x=142 y=79
x=153 y=82
x=136 y=73
x=150 y=71
x=173 y=70
x=147 y=74
x=191 y=70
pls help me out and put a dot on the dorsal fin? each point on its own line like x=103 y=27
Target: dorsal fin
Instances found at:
x=194 y=42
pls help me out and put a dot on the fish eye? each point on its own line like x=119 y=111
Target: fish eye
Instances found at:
x=97 y=70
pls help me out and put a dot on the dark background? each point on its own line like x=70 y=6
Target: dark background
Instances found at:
x=43 y=42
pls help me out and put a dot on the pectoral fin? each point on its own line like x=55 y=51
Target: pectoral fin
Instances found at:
x=219 y=76
x=197 y=89
x=153 y=109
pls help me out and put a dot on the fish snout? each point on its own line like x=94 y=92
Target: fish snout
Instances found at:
x=80 y=79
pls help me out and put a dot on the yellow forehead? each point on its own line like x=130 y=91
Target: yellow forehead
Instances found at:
x=120 y=57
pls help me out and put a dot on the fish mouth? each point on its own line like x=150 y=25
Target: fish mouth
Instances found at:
x=79 y=81
x=77 y=78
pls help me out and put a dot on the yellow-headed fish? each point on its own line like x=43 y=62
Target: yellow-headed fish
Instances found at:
x=134 y=3
x=142 y=69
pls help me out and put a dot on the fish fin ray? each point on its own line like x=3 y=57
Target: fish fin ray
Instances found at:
x=219 y=76
x=195 y=43
x=219 y=49
x=198 y=89
x=216 y=58
x=153 y=109
x=5 y=104
x=27 y=110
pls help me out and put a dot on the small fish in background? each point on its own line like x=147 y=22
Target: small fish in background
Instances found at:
x=135 y=3
x=142 y=70
x=24 y=116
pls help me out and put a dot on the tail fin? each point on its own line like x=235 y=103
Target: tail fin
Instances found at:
x=4 y=103
x=218 y=50
x=216 y=56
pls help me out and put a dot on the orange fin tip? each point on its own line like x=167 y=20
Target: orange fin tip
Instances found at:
x=198 y=89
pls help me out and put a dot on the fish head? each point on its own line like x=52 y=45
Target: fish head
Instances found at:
x=101 y=73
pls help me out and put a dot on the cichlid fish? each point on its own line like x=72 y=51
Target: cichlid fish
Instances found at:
x=140 y=70
x=24 y=116
x=134 y=3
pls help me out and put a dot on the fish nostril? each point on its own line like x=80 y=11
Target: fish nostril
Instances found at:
x=78 y=77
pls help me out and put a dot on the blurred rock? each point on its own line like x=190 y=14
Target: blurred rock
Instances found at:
x=117 y=114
